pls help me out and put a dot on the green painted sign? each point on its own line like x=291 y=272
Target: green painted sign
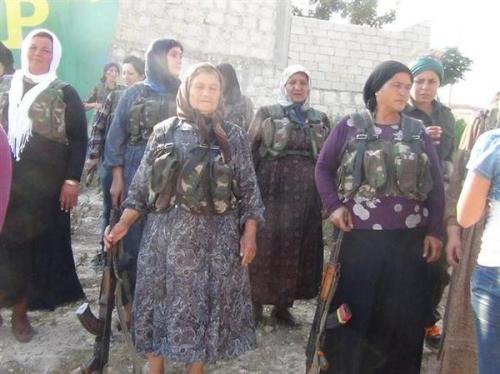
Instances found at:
x=85 y=28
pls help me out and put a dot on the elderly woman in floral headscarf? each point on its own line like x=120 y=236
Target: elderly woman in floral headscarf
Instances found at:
x=286 y=138
x=47 y=132
x=196 y=185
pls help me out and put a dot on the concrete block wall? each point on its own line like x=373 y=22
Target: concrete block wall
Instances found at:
x=261 y=37
x=340 y=57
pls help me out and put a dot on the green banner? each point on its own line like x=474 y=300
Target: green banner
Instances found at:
x=85 y=28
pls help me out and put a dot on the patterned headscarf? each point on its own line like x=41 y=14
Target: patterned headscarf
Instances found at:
x=205 y=123
x=19 y=121
x=284 y=99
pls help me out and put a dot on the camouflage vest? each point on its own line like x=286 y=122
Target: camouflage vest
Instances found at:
x=371 y=167
x=277 y=129
x=201 y=183
x=146 y=112
x=47 y=111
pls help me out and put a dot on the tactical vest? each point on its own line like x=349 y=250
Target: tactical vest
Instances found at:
x=47 y=112
x=201 y=183
x=277 y=130
x=146 y=112
x=371 y=167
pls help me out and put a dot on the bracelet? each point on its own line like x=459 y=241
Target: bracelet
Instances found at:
x=71 y=182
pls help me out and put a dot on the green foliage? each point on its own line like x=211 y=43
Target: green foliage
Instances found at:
x=358 y=12
x=454 y=63
x=460 y=125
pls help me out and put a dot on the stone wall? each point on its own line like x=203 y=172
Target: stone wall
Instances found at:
x=260 y=38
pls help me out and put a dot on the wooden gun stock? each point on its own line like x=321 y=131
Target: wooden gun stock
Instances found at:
x=315 y=358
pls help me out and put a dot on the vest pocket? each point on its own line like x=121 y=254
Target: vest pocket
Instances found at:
x=407 y=173
x=345 y=176
x=220 y=184
x=375 y=168
x=425 y=183
x=164 y=171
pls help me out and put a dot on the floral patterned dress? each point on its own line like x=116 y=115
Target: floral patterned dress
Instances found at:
x=192 y=300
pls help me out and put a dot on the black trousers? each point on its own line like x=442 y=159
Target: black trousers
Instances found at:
x=384 y=282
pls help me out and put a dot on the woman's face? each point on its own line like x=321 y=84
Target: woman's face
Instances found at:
x=130 y=75
x=297 y=87
x=425 y=86
x=174 y=60
x=395 y=93
x=39 y=55
x=204 y=92
x=112 y=75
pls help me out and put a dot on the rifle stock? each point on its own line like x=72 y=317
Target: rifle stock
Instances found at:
x=88 y=320
x=101 y=326
x=315 y=358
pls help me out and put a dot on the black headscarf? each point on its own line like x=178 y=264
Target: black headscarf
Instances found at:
x=157 y=74
x=231 y=91
x=381 y=74
x=6 y=59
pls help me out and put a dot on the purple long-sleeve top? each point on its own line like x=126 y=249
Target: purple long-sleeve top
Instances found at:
x=381 y=213
x=5 y=175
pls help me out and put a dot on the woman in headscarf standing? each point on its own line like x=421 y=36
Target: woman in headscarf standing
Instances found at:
x=286 y=138
x=197 y=186
x=238 y=108
x=140 y=108
x=439 y=122
x=47 y=131
x=380 y=182
x=133 y=72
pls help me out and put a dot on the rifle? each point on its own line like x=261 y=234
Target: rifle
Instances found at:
x=315 y=358
x=101 y=326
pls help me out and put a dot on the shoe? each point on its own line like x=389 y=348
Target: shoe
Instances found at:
x=433 y=336
x=285 y=318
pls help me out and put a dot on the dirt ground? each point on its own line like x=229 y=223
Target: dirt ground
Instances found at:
x=61 y=344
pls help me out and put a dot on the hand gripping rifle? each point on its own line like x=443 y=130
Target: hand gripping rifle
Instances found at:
x=315 y=358
x=101 y=326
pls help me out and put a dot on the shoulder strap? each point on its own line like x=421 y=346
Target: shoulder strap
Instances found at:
x=365 y=126
x=412 y=132
x=276 y=111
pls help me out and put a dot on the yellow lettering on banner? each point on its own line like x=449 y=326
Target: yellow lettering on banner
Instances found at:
x=16 y=21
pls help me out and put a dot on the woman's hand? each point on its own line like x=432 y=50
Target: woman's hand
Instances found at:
x=432 y=248
x=341 y=218
x=69 y=195
x=113 y=236
x=454 y=245
x=120 y=229
x=248 y=242
x=117 y=188
x=434 y=133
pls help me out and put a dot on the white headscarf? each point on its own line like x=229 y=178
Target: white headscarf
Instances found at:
x=19 y=121
x=284 y=99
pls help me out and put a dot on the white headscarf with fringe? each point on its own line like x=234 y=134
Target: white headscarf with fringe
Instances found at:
x=19 y=121
x=284 y=99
